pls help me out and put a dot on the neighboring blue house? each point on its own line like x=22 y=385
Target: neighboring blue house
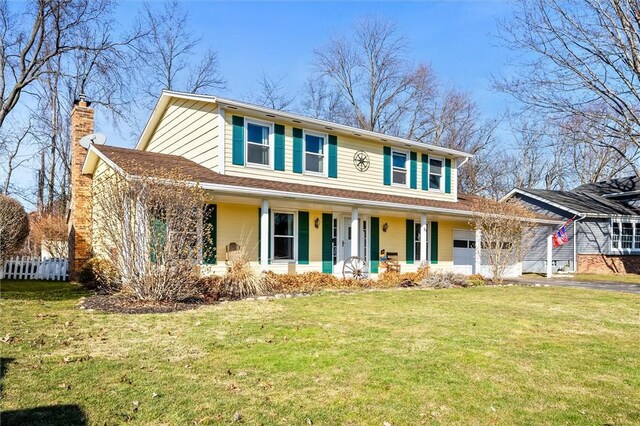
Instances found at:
x=604 y=236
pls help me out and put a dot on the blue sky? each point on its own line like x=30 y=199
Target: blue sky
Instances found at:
x=278 y=38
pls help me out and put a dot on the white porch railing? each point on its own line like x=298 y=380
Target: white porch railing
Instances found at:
x=34 y=268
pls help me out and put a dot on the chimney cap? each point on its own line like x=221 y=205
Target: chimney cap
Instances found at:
x=82 y=101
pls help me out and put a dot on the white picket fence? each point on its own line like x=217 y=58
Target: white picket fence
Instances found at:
x=34 y=268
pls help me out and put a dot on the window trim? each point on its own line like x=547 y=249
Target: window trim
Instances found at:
x=406 y=168
x=325 y=153
x=442 y=177
x=635 y=235
x=295 y=236
x=271 y=144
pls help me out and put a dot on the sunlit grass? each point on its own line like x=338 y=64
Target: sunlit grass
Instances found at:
x=501 y=355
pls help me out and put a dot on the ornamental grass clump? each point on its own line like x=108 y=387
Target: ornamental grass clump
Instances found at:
x=243 y=280
x=441 y=280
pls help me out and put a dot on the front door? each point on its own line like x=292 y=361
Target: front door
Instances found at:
x=344 y=242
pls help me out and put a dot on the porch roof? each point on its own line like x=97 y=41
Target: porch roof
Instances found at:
x=143 y=163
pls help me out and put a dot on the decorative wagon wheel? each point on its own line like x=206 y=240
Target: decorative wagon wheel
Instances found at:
x=354 y=267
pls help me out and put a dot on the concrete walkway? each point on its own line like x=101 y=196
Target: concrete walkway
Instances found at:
x=592 y=285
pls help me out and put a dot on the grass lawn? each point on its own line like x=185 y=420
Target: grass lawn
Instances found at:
x=478 y=356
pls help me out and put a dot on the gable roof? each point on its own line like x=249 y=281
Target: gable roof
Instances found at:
x=613 y=187
x=287 y=118
x=578 y=202
x=136 y=163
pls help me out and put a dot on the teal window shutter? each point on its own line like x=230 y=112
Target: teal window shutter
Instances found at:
x=303 y=238
x=434 y=242
x=375 y=244
x=447 y=175
x=387 y=164
x=297 y=150
x=210 y=255
x=278 y=160
x=327 y=243
x=158 y=238
x=425 y=172
x=333 y=156
x=237 y=146
x=410 y=243
x=414 y=170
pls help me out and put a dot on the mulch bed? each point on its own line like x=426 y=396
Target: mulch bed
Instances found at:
x=119 y=304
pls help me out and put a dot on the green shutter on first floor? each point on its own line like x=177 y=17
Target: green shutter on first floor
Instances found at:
x=409 y=240
x=447 y=175
x=303 y=238
x=297 y=150
x=333 y=156
x=374 y=256
x=237 y=139
x=210 y=252
x=413 y=170
x=434 y=242
x=278 y=152
x=327 y=243
x=260 y=234
x=386 y=151
x=425 y=172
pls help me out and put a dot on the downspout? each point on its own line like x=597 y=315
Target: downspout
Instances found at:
x=575 y=243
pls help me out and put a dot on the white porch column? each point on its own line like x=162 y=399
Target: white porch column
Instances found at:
x=549 y=256
x=264 y=235
x=355 y=233
x=423 y=239
x=478 y=253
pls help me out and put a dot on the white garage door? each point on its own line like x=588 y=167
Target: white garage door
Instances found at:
x=464 y=251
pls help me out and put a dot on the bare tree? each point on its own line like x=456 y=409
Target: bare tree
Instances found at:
x=503 y=226
x=34 y=38
x=273 y=93
x=583 y=64
x=365 y=79
x=11 y=145
x=170 y=53
x=14 y=226
x=152 y=230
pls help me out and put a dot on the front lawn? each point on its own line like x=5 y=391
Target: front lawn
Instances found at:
x=499 y=355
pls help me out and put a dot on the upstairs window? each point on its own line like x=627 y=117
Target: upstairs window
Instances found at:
x=314 y=152
x=435 y=173
x=399 y=163
x=258 y=143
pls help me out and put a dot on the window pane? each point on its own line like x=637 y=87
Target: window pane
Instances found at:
x=637 y=237
x=400 y=176
x=434 y=181
x=313 y=163
x=399 y=160
x=283 y=248
x=257 y=134
x=616 y=235
x=460 y=243
x=257 y=154
x=435 y=166
x=417 y=231
x=283 y=224
x=627 y=235
x=314 y=144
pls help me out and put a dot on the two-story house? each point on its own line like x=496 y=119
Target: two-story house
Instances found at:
x=296 y=190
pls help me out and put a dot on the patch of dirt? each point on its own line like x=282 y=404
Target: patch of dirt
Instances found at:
x=123 y=305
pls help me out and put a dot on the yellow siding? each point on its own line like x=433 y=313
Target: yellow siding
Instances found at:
x=239 y=224
x=99 y=243
x=394 y=239
x=315 y=238
x=189 y=129
x=348 y=176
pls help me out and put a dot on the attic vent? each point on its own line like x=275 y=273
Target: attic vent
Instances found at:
x=357 y=134
x=270 y=115
x=296 y=121
x=383 y=140
x=232 y=107
x=328 y=128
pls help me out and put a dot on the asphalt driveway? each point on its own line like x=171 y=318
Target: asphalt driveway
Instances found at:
x=592 y=285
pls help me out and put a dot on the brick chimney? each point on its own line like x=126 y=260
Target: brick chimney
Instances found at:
x=80 y=221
